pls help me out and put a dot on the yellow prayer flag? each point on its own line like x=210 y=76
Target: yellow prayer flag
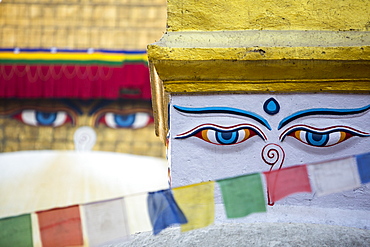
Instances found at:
x=197 y=203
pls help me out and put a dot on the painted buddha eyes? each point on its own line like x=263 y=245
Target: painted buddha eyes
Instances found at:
x=112 y=118
x=130 y=120
x=223 y=135
x=321 y=137
x=315 y=137
x=43 y=118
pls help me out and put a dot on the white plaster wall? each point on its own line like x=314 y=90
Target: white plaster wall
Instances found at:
x=194 y=160
x=38 y=180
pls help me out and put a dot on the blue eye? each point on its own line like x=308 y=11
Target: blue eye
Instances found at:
x=223 y=135
x=227 y=137
x=133 y=120
x=124 y=120
x=322 y=137
x=317 y=139
x=43 y=118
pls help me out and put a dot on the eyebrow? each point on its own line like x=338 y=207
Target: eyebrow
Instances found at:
x=72 y=105
x=223 y=110
x=99 y=105
x=322 y=111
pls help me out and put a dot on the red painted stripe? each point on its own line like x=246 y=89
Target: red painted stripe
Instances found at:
x=82 y=82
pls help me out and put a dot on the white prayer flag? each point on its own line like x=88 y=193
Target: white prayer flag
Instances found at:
x=106 y=222
x=137 y=209
x=334 y=176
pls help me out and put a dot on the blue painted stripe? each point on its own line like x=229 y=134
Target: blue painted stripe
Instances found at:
x=322 y=111
x=224 y=110
x=7 y=49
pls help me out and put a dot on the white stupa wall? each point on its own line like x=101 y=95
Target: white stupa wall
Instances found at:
x=193 y=159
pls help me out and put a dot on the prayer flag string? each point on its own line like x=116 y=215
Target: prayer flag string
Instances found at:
x=190 y=206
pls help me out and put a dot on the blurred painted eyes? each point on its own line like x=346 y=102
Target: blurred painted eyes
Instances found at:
x=223 y=135
x=134 y=120
x=322 y=137
x=43 y=118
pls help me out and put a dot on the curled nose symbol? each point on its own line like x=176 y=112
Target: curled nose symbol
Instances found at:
x=84 y=138
x=273 y=154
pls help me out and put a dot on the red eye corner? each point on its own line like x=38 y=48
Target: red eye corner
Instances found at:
x=18 y=116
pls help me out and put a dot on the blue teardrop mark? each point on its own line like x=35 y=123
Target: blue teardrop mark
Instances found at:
x=271 y=106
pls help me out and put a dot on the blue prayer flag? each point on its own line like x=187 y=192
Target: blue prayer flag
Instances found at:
x=363 y=166
x=163 y=210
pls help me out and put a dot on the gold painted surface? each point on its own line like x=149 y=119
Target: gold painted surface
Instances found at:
x=241 y=46
x=109 y=24
x=260 y=56
x=260 y=53
x=330 y=86
x=220 y=70
x=160 y=113
x=184 y=15
x=18 y=136
x=250 y=71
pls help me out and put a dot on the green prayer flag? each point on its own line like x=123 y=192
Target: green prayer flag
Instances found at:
x=16 y=231
x=243 y=195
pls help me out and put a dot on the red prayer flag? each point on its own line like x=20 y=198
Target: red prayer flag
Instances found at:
x=286 y=181
x=60 y=227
